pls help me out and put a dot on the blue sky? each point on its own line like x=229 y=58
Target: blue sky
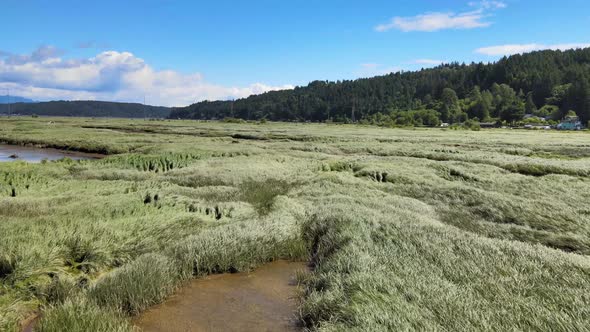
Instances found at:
x=178 y=52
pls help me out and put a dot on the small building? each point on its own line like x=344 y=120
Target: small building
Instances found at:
x=570 y=123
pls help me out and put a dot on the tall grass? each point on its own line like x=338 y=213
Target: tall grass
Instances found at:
x=136 y=286
x=405 y=229
x=262 y=194
x=80 y=316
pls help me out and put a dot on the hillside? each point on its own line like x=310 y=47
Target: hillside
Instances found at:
x=89 y=109
x=545 y=83
x=6 y=99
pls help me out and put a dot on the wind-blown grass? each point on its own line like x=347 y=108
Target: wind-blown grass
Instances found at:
x=81 y=317
x=137 y=285
x=405 y=229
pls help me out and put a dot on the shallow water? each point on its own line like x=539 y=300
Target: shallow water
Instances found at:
x=35 y=155
x=262 y=300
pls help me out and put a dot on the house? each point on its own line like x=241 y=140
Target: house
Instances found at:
x=570 y=123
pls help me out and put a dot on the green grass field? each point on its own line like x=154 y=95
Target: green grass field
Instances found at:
x=424 y=229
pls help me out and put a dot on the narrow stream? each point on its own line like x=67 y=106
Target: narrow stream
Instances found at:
x=263 y=300
x=36 y=155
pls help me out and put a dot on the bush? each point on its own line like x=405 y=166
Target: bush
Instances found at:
x=472 y=125
x=467 y=125
x=233 y=120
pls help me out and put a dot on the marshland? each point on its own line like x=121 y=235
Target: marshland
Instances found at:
x=401 y=229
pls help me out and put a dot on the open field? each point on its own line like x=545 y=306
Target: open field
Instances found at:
x=424 y=229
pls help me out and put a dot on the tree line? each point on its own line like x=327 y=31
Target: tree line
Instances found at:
x=546 y=84
x=88 y=108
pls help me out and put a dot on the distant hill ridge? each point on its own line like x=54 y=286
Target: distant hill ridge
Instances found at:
x=88 y=108
x=541 y=83
x=14 y=99
x=547 y=84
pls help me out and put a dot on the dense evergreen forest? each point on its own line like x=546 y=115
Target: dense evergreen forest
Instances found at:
x=546 y=84
x=87 y=109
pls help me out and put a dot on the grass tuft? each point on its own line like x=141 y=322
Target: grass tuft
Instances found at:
x=262 y=194
x=136 y=286
x=81 y=316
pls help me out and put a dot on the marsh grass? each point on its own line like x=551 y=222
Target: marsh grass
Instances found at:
x=152 y=163
x=262 y=194
x=83 y=254
x=81 y=316
x=7 y=265
x=136 y=286
x=404 y=229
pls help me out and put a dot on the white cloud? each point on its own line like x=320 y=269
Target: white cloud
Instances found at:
x=110 y=75
x=488 y=4
x=430 y=62
x=509 y=49
x=436 y=21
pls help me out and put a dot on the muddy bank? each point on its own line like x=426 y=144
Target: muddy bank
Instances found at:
x=28 y=325
x=34 y=154
x=263 y=300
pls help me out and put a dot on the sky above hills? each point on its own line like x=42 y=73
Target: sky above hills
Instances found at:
x=178 y=52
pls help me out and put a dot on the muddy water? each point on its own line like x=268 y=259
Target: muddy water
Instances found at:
x=262 y=300
x=35 y=155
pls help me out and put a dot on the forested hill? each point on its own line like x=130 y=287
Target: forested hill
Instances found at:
x=545 y=83
x=88 y=109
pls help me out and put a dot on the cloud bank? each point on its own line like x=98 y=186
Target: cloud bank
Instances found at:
x=510 y=49
x=111 y=75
